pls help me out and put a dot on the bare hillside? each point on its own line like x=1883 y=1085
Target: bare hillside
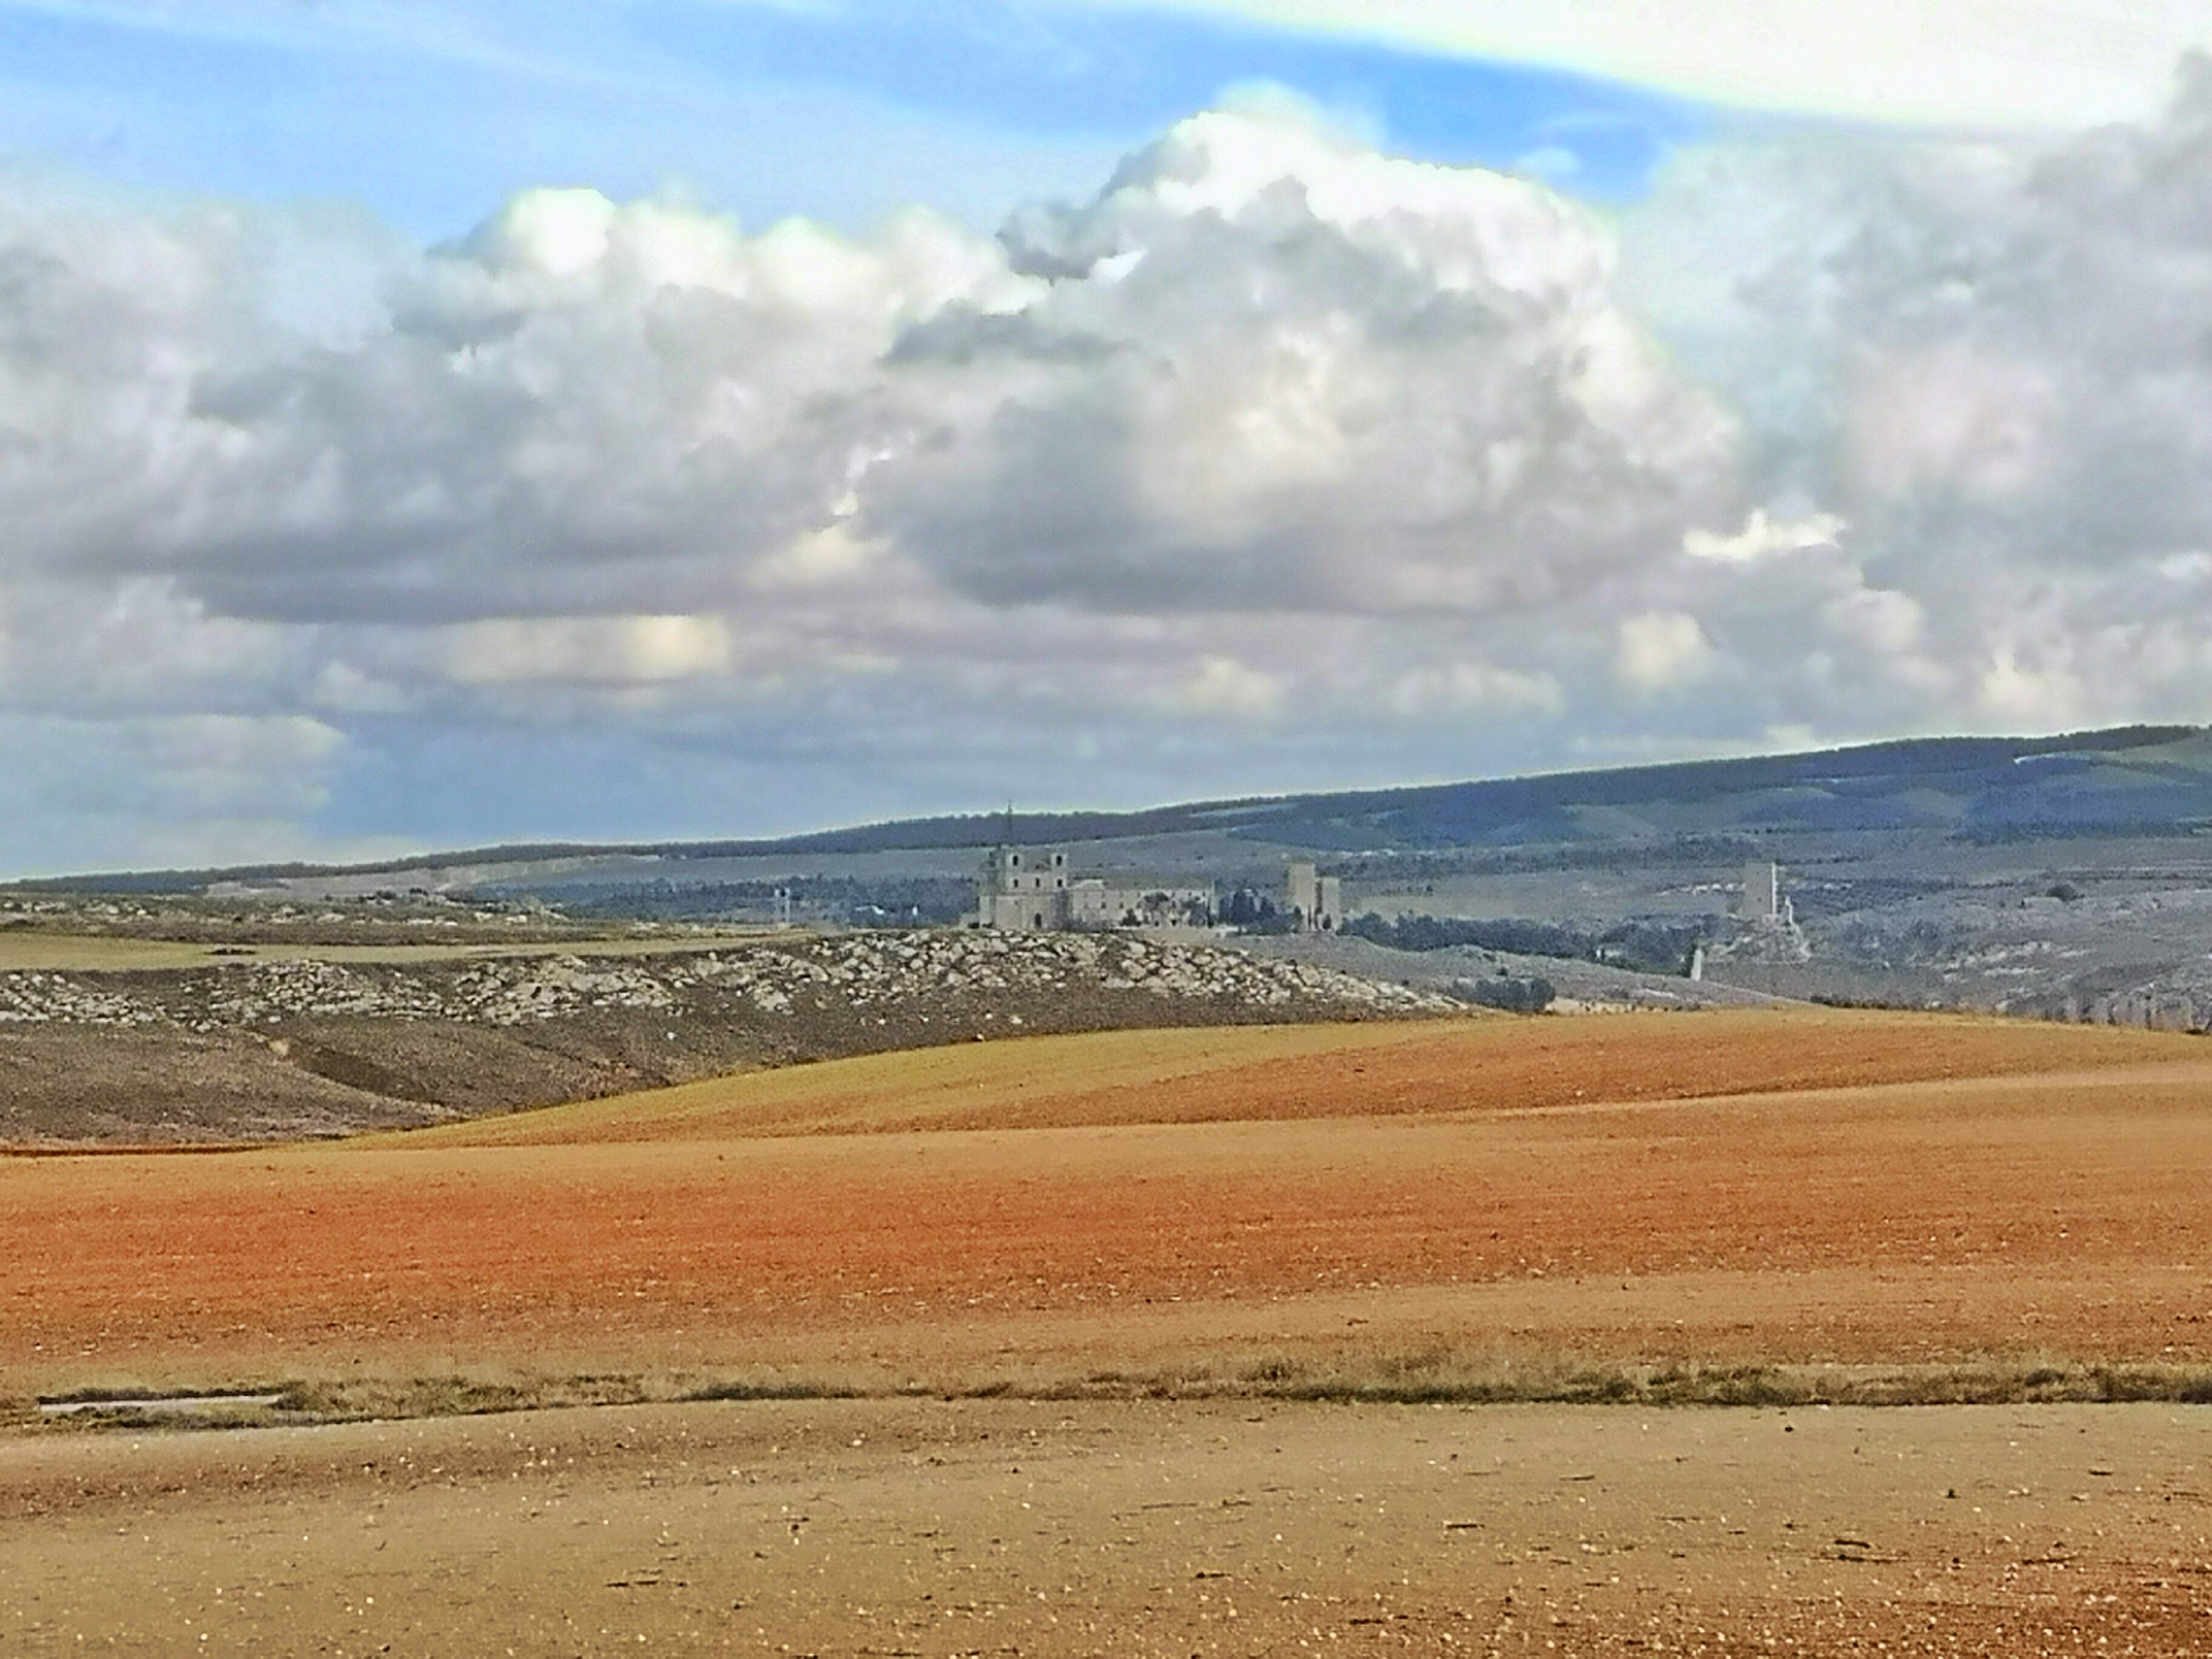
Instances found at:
x=294 y=1046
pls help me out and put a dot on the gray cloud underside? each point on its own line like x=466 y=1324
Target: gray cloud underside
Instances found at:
x=1277 y=445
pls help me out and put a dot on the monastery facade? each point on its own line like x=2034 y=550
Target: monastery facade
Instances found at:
x=1032 y=891
x=1024 y=889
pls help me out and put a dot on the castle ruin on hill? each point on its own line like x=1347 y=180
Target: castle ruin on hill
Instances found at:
x=1314 y=902
x=1764 y=925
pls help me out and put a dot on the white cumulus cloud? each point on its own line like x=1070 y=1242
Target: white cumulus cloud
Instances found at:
x=1661 y=649
x=1762 y=537
x=1265 y=368
x=1279 y=460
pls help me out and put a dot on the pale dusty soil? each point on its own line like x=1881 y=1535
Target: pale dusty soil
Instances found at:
x=1139 y=1529
x=1484 y=1202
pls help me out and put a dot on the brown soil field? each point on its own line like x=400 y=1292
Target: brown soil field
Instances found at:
x=1271 y=1074
x=1140 y=1529
x=1717 y=1189
x=1121 y=1313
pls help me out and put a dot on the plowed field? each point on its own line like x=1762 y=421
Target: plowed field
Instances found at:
x=1271 y=1075
x=1364 y=1211
x=1776 y=1188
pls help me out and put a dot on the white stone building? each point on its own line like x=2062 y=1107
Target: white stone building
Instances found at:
x=1031 y=891
x=1023 y=891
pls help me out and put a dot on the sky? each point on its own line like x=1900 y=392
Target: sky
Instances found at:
x=436 y=424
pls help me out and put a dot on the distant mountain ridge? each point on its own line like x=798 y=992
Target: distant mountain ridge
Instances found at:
x=2139 y=780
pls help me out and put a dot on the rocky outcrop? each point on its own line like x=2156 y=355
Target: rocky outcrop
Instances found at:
x=268 y=1045
x=862 y=972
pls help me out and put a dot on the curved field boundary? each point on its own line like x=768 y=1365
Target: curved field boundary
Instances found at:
x=1272 y=1073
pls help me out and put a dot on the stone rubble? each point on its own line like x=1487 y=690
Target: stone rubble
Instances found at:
x=863 y=971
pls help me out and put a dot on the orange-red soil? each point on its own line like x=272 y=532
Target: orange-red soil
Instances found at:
x=1598 y=1189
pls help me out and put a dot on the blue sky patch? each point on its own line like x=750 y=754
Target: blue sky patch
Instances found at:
x=842 y=112
x=1032 y=69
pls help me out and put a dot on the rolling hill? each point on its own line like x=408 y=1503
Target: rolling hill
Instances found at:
x=2131 y=781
